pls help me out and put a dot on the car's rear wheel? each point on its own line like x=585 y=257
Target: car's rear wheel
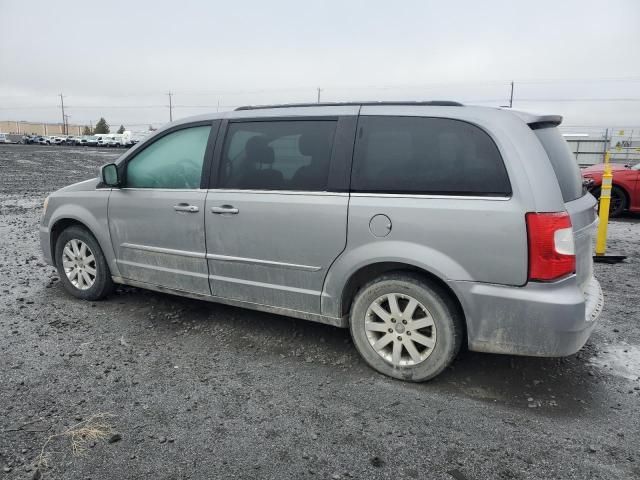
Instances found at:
x=82 y=267
x=406 y=327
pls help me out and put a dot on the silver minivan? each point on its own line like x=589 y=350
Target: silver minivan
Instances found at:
x=418 y=225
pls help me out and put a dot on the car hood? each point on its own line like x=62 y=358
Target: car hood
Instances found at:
x=85 y=186
x=599 y=168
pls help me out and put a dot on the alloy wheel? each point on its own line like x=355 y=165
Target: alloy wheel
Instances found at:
x=400 y=329
x=79 y=264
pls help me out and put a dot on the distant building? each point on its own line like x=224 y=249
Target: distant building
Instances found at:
x=37 y=128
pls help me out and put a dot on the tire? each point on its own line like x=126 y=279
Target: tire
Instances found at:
x=618 y=201
x=78 y=287
x=434 y=307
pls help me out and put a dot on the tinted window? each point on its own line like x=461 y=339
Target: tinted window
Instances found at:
x=563 y=162
x=428 y=156
x=277 y=155
x=173 y=161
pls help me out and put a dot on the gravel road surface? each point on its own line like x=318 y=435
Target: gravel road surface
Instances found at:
x=177 y=388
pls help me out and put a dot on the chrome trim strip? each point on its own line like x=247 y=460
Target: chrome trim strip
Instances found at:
x=279 y=192
x=266 y=263
x=272 y=286
x=434 y=197
x=168 y=251
x=162 y=269
x=161 y=189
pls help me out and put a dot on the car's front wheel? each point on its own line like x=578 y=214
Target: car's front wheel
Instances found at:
x=82 y=267
x=618 y=202
x=406 y=327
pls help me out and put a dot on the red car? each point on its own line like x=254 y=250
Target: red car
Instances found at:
x=625 y=194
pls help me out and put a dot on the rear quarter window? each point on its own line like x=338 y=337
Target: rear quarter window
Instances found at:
x=425 y=155
x=563 y=162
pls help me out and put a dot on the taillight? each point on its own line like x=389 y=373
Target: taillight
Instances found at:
x=551 y=248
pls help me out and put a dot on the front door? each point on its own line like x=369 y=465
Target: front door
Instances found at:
x=273 y=224
x=156 y=219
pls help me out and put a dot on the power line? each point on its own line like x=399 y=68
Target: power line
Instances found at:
x=629 y=79
x=172 y=106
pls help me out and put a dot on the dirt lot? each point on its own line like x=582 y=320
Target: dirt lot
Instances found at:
x=199 y=390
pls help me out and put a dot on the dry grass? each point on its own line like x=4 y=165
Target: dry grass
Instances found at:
x=81 y=435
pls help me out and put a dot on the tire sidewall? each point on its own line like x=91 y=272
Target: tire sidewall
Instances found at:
x=617 y=192
x=102 y=284
x=447 y=332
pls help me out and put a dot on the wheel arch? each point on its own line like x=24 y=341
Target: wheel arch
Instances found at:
x=366 y=273
x=58 y=227
x=595 y=191
x=598 y=186
x=99 y=229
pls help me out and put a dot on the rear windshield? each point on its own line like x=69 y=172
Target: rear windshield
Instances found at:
x=563 y=162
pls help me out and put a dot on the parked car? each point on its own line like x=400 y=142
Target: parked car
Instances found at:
x=419 y=226
x=58 y=140
x=103 y=142
x=86 y=141
x=92 y=141
x=44 y=141
x=625 y=191
x=4 y=138
x=70 y=140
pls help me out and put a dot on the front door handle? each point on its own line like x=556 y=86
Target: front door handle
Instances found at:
x=225 y=209
x=184 y=207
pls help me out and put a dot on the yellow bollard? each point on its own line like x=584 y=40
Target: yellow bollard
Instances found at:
x=605 y=200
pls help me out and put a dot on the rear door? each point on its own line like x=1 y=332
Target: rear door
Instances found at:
x=277 y=217
x=156 y=219
x=579 y=204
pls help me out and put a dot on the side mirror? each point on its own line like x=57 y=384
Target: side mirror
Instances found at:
x=109 y=175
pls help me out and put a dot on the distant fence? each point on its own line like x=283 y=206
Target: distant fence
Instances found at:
x=590 y=149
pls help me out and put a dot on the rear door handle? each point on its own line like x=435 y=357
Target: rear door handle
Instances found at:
x=183 y=207
x=225 y=209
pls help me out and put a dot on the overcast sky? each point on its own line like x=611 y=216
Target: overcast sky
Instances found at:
x=119 y=58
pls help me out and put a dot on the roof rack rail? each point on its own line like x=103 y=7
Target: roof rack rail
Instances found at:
x=431 y=103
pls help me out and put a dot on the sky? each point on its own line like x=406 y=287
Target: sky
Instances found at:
x=119 y=59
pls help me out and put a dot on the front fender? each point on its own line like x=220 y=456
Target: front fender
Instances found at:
x=412 y=254
x=88 y=208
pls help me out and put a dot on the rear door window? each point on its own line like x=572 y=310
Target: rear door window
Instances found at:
x=423 y=155
x=563 y=162
x=277 y=155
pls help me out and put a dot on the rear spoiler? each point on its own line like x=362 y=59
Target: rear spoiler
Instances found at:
x=538 y=121
x=546 y=121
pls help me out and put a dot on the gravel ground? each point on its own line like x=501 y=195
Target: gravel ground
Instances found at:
x=188 y=389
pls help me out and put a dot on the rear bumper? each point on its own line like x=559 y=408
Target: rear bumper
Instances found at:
x=539 y=319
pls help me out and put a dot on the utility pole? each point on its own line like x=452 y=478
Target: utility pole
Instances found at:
x=511 y=96
x=170 y=107
x=319 y=90
x=63 y=119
